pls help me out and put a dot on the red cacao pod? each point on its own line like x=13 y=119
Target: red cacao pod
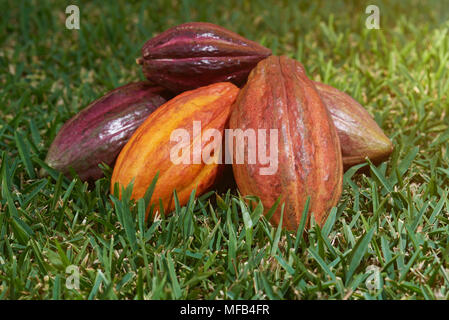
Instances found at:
x=98 y=132
x=360 y=136
x=152 y=147
x=196 y=54
x=279 y=96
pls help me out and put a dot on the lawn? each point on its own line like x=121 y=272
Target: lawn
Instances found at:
x=387 y=239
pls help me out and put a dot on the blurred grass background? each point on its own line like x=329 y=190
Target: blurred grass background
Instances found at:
x=394 y=217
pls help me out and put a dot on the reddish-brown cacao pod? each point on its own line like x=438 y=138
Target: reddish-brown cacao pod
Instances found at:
x=360 y=136
x=279 y=96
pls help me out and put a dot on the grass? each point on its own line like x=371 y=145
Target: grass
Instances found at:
x=387 y=239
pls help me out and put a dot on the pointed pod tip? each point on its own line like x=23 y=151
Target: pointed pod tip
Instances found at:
x=43 y=173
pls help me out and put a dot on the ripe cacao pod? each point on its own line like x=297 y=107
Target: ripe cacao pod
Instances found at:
x=359 y=134
x=155 y=144
x=196 y=54
x=279 y=96
x=98 y=132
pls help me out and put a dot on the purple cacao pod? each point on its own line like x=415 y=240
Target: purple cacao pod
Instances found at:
x=98 y=132
x=197 y=54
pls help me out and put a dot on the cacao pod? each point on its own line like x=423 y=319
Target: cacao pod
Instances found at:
x=196 y=54
x=98 y=132
x=359 y=134
x=156 y=144
x=279 y=96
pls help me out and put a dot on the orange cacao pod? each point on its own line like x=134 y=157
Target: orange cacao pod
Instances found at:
x=155 y=146
x=279 y=96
